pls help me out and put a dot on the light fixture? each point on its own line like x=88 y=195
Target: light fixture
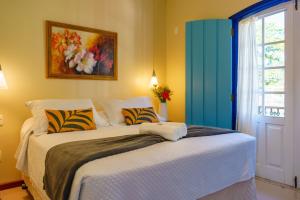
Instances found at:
x=154 y=81
x=3 y=84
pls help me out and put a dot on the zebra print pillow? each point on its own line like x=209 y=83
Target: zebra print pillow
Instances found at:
x=139 y=115
x=70 y=120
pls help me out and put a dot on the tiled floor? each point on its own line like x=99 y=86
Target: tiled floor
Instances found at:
x=266 y=190
x=15 y=194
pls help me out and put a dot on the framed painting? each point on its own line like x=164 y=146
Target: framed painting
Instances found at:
x=76 y=52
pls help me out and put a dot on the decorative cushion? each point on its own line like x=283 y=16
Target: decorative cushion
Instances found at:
x=38 y=107
x=139 y=115
x=70 y=120
x=113 y=107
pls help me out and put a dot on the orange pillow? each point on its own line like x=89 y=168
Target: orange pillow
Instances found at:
x=139 y=115
x=70 y=120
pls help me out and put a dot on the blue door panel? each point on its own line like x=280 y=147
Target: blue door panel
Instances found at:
x=188 y=74
x=210 y=79
x=208 y=73
x=197 y=73
x=224 y=77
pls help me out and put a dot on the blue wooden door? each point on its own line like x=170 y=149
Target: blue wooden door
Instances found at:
x=208 y=73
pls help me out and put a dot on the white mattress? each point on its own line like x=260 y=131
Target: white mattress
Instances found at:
x=187 y=170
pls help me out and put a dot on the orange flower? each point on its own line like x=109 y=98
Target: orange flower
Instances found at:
x=58 y=42
x=75 y=39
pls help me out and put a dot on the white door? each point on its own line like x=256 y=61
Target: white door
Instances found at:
x=274 y=129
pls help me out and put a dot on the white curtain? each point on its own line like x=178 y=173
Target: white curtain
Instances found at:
x=247 y=87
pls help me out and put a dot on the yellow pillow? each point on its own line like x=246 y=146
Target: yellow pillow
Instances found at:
x=139 y=115
x=70 y=120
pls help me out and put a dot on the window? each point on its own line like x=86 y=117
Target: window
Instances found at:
x=270 y=38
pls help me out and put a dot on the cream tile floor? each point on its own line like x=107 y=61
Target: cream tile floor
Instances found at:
x=266 y=190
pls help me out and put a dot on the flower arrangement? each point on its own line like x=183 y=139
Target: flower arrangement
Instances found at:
x=163 y=93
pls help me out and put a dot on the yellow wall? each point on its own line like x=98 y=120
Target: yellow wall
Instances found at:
x=177 y=14
x=22 y=55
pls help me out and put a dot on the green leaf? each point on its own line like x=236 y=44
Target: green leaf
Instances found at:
x=53 y=127
x=77 y=120
x=73 y=126
x=55 y=117
x=84 y=116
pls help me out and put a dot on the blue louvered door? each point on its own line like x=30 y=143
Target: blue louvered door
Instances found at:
x=208 y=73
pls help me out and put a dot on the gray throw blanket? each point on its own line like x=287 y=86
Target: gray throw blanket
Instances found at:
x=63 y=160
x=199 y=131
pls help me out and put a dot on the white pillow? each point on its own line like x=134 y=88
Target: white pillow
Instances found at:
x=38 y=107
x=113 y=108
x=103 y=115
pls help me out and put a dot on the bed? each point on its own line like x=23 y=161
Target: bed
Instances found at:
x=217 y=167
x=192 y=168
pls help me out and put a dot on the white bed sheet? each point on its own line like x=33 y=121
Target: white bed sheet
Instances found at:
x=187 y=170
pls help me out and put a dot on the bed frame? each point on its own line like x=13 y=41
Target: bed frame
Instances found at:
x=244 y=190
x=33 y=190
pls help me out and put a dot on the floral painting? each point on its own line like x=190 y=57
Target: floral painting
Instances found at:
x=80 y=52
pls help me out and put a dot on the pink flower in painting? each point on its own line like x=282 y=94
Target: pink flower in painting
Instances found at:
x=106 y=60
x=103 y=56
x=96 y=51
x=108 y=63
x=84 y=60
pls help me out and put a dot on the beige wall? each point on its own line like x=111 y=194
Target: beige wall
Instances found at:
x=22 y=55
x=177 y=14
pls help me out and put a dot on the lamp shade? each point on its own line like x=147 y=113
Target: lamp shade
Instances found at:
x=154 y=81
x=3 y=84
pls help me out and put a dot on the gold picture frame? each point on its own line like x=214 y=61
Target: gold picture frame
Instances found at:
x=77 y=52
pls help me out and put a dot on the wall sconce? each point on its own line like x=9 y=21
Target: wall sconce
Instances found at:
x=3 y=84
x=154 y=81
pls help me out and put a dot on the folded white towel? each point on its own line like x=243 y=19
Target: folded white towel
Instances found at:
x=169 y=130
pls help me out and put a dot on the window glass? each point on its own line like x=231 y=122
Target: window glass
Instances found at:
x=270 y=39
x=274 y=100
x=274 y=55
x=274 y=80
x=274 y=28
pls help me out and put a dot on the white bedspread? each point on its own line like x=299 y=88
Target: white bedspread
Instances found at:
x=186 y=170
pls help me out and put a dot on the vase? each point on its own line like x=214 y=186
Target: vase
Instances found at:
x=163 y=111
